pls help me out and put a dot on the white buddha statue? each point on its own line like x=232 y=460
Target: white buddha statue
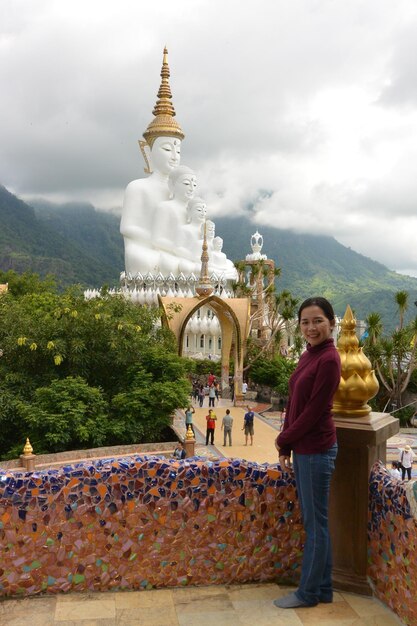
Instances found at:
x=161 y=150
x=210 y=234
x=219 y=263
x=190 y=237
x=170 y=217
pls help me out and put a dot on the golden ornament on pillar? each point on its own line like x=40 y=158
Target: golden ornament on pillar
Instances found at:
x=28 y=448
x=358 y=382
x=189 y=434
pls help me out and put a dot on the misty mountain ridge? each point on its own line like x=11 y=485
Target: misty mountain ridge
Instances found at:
x=80 y=244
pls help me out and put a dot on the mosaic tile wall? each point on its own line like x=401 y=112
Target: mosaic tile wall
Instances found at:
x=392 y=542
x=143 y=522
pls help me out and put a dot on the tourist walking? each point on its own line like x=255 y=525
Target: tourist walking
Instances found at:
x=248 y=425
x=406 y=461
x=310 y=434
x=227 y=423
x=189 y=418
x=217 y=389
x=211 y=419
x=201 y=395
x=212 y=395
x=195 y=392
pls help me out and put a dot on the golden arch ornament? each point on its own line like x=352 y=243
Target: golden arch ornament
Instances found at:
x=233 y=315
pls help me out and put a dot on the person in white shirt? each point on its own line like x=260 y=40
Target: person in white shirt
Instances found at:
x=406 y=461
x=244 y=388
x=394 y=471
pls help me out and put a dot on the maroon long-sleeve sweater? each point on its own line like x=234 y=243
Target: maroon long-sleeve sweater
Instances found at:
x=308 y=426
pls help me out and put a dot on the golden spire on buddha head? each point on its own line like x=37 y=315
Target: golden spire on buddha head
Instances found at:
x=163 y=124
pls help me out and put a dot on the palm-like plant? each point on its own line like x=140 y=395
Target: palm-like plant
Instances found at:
x=401 y=298
x=394 y=357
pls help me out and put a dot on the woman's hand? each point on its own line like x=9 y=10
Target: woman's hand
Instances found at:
x=284 y=459
x=285 y=462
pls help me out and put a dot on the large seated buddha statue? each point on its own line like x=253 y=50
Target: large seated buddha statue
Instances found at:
x=162 y=222
x=161 y=150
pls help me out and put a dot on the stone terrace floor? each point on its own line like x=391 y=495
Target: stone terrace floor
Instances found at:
x=233 y=605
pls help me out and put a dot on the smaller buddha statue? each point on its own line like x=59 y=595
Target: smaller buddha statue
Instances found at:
x=219 y=263
x=191 y=237
x=170 y=217
x=210 y=234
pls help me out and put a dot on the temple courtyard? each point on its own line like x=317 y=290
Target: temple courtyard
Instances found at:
x=217 y=605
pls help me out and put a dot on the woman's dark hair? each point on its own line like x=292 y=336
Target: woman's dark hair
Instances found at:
x=324 y=304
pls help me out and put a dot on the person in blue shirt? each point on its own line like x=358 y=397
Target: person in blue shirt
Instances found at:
x=248 y=426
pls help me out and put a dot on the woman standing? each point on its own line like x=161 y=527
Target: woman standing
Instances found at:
x=309 y=432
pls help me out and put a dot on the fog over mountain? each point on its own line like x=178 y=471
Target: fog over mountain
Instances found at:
x=78 y=243
x=300 y=115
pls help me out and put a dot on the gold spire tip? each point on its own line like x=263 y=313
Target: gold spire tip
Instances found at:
x=163 y=124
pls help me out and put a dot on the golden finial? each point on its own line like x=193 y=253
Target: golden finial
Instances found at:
x=204 y=286
x=189 y=434
x=163 y=124
x=28 y=448
x=358 y=383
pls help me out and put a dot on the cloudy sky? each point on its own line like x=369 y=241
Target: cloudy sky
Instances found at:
x=302 y=112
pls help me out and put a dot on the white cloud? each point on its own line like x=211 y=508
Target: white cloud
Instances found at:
x=302 y=113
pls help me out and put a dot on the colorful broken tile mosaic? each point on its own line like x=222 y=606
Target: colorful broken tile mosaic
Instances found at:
x=145 y=522
x=392 y=542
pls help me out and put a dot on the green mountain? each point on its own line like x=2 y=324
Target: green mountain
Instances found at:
x=89 y=229
x=319 y=265
x=78 y=243
x=30 y=243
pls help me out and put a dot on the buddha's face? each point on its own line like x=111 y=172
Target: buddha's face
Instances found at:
x=198 y=212
x=211 y=230
x=165 y=154
x=185 y=187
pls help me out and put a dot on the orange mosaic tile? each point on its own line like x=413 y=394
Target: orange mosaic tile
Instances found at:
x=143 y=522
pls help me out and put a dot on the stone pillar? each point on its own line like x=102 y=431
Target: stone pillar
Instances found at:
x=362 y=441
x=227 y=337
x=189 y=443
x=28 y=462
x=238 y=380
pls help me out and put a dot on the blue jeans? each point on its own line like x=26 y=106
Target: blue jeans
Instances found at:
x=313 y=473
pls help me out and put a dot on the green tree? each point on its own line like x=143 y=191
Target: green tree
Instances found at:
x=48 y=338
x=28 y=282
x=393 y=356
x=273 y=313
x=274 y=373
x=66 y=415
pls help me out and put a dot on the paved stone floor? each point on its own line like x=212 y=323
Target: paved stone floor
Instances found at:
x=233 y=605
